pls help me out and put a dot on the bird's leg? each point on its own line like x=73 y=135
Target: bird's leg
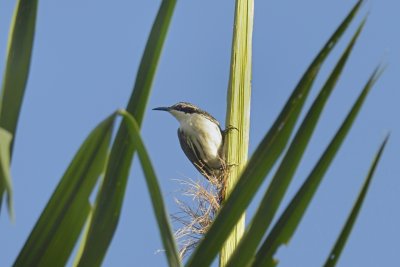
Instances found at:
x=230 y=128
x=230 y=166
x=225 y=169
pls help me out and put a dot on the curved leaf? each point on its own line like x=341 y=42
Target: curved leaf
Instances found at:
x=110 y=198
x=155 y=196
x=57 y=230
x=155 y=192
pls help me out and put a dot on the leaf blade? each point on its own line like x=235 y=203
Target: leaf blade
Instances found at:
x=15 y=77
x=19 y=52
x=154 y=191
x=341 y=241
x=5 y=176
x=56 y=231
x=289 y=220
x=123 y=149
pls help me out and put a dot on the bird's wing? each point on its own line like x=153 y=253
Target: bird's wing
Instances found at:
x=193 y=154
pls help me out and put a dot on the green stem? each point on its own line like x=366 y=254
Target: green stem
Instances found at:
x=238 y=111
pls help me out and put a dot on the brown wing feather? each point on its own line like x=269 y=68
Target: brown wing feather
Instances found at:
x=193 y=154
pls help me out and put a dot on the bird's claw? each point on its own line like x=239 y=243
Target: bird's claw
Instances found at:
x=230 y=128
x=232 y=165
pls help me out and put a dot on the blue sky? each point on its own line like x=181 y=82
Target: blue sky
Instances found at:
x=85 y=58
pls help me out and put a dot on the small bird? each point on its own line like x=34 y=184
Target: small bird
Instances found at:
x=200 y=136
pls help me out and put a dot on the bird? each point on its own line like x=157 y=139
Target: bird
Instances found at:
x=201 y=138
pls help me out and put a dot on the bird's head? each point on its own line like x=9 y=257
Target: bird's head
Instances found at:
x=181 y=110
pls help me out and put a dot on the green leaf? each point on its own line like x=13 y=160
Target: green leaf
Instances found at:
x=112 y=192
x=341 y=241
x=154 y=190
x=282 y=178
x=57 y=230
x=15 y=77
x=5 y=176
x=155 y=196
x=263 y=158
x=84 y=236
x=290 y=219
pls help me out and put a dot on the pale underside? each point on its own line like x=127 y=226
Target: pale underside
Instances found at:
x=201 y=140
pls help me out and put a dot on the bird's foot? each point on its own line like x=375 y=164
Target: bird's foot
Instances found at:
x=232 y=165
x=228 y=167
x=230 y=128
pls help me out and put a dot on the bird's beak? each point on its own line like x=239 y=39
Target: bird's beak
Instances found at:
x=162 y=108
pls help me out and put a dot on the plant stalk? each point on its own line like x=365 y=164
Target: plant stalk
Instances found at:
x=238 y=111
